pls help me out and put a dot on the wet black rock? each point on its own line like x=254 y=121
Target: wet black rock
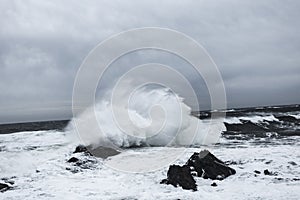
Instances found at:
x=293 y=163
x=214 y=184
x=269 y=173
x=73 y=170
x=81 y=149
x=203 y=164
x=181 y=176
x=4 y=187
x=268 y=162
x=257 y=172
x=233 y=162
x=208 y=166
x=73 y=159
x=88 y=158
x=87 y=161
x=9 y=180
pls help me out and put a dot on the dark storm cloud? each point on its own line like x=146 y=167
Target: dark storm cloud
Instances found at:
x=255 y=44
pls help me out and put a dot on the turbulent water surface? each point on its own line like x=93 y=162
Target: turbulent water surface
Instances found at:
x=35 y=163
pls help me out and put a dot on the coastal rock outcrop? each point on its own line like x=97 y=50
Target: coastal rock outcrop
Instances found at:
x=208 y=166
x=203 y=164
x=4 y=187
x=180 y=176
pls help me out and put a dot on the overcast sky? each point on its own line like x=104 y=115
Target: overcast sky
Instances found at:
x=255 y=44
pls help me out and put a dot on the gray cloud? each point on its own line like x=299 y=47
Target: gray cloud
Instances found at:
x=255 y=44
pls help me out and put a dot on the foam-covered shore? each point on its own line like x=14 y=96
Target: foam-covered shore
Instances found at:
x=36 y=163
x=260 y=144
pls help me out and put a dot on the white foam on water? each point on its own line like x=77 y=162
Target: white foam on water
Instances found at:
x=153 y=117
x=232 y=120
x=53 y=181
x=297 y=116
x=257 y=119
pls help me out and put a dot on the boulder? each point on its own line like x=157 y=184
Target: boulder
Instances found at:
x=203 y=164
x=208 y=166
x=181 y=176
x=214 y=184
x=73 y=159
x=4 y=187
x=269 y=173
x=81 y=149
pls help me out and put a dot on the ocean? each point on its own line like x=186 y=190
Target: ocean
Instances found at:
x=34 y=161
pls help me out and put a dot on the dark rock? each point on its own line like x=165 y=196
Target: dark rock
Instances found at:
x=81 y=149
x=232 y=162
x=4 y=187
x=10 y=182
x=293 y=163
x=73 y=170
x=203 y=164
x=73 y=159
x=268 y=173
x=214 y=184
x=208 y=166
x=181 y=176
x=85 y=162
x=100 y=152
x=268 y=162
x=257 y=172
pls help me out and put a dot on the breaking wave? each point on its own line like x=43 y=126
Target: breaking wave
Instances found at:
x=153 y=116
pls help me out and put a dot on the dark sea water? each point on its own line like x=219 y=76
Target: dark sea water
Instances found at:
x=33 y=126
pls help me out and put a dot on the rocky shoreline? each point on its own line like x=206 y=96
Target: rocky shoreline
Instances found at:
x=203 y=165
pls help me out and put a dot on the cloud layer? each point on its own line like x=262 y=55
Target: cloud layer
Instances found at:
x=255 y=44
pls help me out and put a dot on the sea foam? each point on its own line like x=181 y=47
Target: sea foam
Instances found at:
x=151 y=117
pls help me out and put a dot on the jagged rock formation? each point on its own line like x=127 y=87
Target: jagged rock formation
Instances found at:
x=4 y=187
x=203 y=164
x=208 y=166
x=181 y=176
